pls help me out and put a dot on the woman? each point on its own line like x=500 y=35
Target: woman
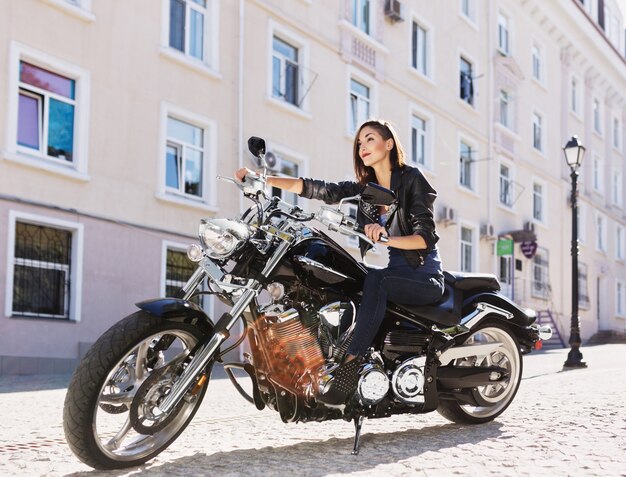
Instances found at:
x=414 y=274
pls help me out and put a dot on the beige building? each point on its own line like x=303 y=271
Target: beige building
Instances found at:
x=117 y=116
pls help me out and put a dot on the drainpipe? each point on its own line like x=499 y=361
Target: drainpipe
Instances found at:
x=490 y=151
x=240 y=95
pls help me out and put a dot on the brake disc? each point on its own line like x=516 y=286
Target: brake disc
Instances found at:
x=148 y=396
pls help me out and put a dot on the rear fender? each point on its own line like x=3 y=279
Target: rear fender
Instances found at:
x=177 y=309
x=519 y=322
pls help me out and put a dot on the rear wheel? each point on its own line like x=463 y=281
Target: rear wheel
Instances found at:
x=494 y=398
x=110 y=417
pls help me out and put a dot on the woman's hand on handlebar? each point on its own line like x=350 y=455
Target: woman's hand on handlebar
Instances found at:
x=240 y=174
x=374 y=231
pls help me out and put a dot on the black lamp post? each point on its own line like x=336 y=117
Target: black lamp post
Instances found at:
x=574 y=152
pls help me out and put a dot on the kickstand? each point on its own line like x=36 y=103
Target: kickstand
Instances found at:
x=358 y=423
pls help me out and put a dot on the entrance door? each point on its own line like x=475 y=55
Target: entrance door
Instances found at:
x=505 y=274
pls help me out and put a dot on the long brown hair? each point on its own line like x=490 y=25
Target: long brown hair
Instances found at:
x=366 y=174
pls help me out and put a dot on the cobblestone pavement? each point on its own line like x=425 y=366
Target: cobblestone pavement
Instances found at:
x=561 y=423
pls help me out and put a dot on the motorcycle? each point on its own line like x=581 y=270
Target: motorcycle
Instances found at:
x=141 y=383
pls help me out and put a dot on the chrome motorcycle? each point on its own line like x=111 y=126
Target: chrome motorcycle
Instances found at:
x=141 y=383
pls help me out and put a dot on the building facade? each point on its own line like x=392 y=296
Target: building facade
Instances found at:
x=118 y=116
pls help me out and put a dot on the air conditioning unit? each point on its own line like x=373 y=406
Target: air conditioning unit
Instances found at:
x=487 y=231
x=447 y=215
x=393 y=10
x=529 y=226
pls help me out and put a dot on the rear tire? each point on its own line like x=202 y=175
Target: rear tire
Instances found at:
x=100 y=394
x=499 y=396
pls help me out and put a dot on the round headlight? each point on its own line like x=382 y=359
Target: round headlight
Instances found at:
x=220 y=237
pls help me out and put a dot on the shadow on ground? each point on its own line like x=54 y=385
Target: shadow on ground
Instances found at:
x=316 y=459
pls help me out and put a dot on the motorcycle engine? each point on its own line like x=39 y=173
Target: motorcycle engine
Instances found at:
x=408 y=380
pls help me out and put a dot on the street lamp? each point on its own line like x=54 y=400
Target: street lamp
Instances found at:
x=574 y=152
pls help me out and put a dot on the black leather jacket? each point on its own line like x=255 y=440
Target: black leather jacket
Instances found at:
x=415 y=209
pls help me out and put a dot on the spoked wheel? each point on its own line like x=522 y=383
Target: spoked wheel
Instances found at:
x=110 y=416
x=493 y=398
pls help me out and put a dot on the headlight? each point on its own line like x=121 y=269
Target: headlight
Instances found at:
x=221 y=237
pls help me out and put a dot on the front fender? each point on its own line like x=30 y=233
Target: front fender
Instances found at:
x=177 y=309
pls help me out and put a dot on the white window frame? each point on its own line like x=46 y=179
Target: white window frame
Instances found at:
x=76 y=169
x=355 y=22
x=473 y=246
x=368 y=81
x=430 y=37
x=538 y=60
x=596 y=119
x=208 y=200
x=616 y=136
x=600 y=227
x=462 y=55
x=511 y=180
x=542 y=133
x=283 y=152
x=505 y=106
x=429 y=120
x=76 y=261
x=620 y=298
x=544 y=201
x=470 y=15
x=616 y=188
x=545 y=274
x=210 y=65
x=462 y=138
x=80 y=9
x=304 y=74
x=207 y=301
x=575 y=105
x=620 y=242
x=504 y=26
x=597 y=174
x=583 y=285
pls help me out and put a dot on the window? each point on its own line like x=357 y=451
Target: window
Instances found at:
x=44 y=272
x=597 y=173
x=188 y=26
x=467 y=8
x=505 y=273
x=419 y=56
x=286 y=168
x=600 y=233
x=616 y=127
x=178 y=270
x=537 y=132
x=419 y=139
x=620 y=252
x=467 y=246
x=596 y=116
x=361 y=15
x=506 y=186
x=359 y=104
x=187 y=146
x=285 y=71
x=581 y=217
x=46 y=106
x=540 y=283
x=466 y=166
x=574 y=96
x=617 y=188
x=583 y=293
x=620 y=298
x=537 y=64
x=504 y=108
x=503 y=34
x=538 y=198
x=466 y=81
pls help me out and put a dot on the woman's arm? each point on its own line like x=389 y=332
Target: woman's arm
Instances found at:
x=407 y=242
x=286 y=183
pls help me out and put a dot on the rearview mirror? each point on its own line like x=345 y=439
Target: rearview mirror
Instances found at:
x=256 y=146
x=375 y=194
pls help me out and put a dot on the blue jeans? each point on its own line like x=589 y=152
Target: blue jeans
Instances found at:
x=404 y=285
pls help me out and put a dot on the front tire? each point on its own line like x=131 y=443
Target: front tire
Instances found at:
x=496 y=397
x=105 y=426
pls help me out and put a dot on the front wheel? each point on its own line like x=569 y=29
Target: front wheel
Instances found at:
x=109 y=416
x=494 y=398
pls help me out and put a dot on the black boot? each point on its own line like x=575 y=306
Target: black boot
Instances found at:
x=343 y=384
